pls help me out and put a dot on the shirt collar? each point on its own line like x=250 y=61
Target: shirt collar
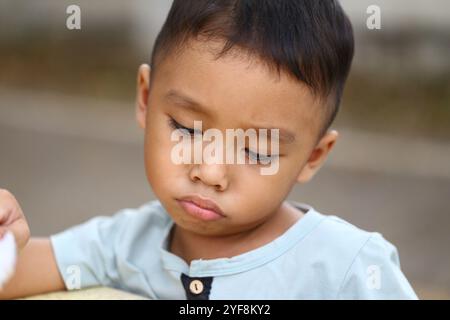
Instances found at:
x=245 y=261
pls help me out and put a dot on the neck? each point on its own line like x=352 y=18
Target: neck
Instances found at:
x=191 y=246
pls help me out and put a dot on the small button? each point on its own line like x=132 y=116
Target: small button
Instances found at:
x=196 y=286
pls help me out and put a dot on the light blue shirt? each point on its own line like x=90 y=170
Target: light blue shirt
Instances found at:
x=319 y=257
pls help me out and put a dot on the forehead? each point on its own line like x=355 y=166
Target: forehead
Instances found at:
x=236 y=89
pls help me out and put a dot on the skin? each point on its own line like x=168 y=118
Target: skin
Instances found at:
x=225 y=88
x=36 y=270
x=235 y=92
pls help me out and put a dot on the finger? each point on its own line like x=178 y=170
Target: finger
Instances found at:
x=21 y=232
x=2 y=232
x=6 y=205
x=5 y=213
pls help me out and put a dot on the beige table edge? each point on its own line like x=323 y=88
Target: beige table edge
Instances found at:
x=95 y=293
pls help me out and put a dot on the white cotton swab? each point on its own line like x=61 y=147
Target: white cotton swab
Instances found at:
x=8 y=257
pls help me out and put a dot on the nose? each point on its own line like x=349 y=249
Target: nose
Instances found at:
x=213 y=175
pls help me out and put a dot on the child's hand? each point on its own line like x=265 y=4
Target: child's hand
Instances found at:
x=13 y=219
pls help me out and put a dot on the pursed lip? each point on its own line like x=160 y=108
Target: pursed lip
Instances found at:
x=204 y=203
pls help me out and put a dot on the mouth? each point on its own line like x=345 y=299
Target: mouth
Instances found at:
x=202 y=208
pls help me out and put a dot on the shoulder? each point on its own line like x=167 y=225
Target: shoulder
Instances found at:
x=361 y=264
x=340 y=240
x=151 y=214
x=123 y=227
x=350 y=242
x=146 y=223
x=105 y=248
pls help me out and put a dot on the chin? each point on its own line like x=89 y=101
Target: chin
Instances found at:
x=201 y=228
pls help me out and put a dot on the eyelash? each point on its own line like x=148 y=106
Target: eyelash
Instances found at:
x=254 y=155
x=176 y=126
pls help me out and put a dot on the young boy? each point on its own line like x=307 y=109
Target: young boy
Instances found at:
x=224 y=230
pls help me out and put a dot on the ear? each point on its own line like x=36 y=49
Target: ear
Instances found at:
x=142 y=91
x=318 y=156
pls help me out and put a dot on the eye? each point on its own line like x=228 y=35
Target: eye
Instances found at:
x=177 y=126
x=260 y=158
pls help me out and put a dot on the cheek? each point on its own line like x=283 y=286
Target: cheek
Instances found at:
x=263 y=193
x=271 y=188
x=157 y=153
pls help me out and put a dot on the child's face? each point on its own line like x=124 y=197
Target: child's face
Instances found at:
x=232 y=94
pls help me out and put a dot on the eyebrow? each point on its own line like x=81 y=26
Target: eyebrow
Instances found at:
x=284 y=136
x=177 y=97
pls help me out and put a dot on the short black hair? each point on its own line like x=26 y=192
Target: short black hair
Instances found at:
x=310 y=40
